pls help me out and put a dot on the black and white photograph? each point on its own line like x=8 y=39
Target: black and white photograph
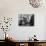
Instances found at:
x=26 y=20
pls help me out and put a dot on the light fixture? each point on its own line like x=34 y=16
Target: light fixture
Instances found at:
x=7 y=21
x=36 y=3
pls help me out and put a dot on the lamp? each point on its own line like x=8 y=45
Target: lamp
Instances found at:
x=36 y=3
x=6 y=25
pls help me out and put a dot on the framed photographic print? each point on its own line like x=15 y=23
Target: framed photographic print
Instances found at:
x=26 y=20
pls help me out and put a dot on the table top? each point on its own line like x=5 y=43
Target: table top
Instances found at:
x=2 y=40
x=26 y=41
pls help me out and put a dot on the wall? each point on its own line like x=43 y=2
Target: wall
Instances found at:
x=11 y=8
